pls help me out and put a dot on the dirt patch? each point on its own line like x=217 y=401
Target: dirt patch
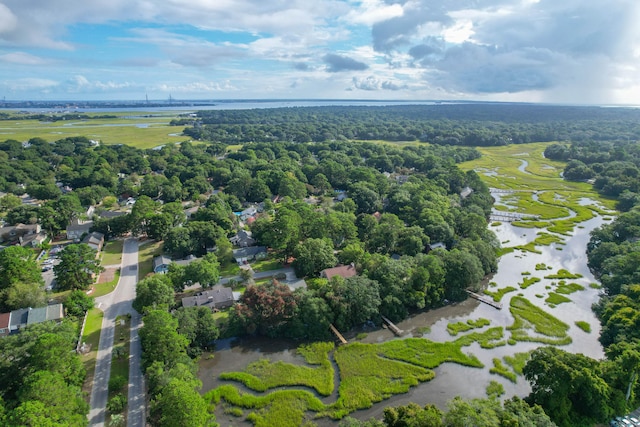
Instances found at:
x=107 y=275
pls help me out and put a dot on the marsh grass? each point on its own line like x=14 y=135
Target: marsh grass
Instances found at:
x=585 y=326
x=528 y=281
x=458 y=327
x=263 y=374
x=517 y=361
x=568 y=289
x=527 y=316
x=367 y=378
x=498 y=294
x=500 y=369
x=554 y=299
x=563 y=274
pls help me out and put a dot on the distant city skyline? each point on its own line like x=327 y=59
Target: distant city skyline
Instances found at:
x=571 y=52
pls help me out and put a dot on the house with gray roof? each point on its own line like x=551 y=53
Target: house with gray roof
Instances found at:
x=244 y=255
x=18 y=320
x=243 y=239
x=161 y=264
x=37 y=315
x=77 y=228
x=95 y=240
x=216 y=298
x=23 y=317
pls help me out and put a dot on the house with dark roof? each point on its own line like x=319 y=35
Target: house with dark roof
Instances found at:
x=161 y=264
x=216 y=298
x=5 y=320
x=111 y=214
x=24 y=317
x=20 y=233
x=466 y=192
x=243 y=239
x=95 y=240
x=244 y=255
x=343 y=271
x=78 y=228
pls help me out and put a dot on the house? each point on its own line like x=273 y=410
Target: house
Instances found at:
x=340 y=195
x=18 y=232
x=161 y=264
x=190 y=212
x=343 y=271
x=215 y=298
x=248 y=213
x=111 y=214
x=244 y=255
x=5 y=320
x=33 y=240
x=437 y=245
x=243 y=239
x=95 y=240
x=466 y=192
x=78 y=228
x=29 y=316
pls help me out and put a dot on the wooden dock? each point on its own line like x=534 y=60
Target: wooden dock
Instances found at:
x=337 y=334
x=393 y=328
x=485 y=299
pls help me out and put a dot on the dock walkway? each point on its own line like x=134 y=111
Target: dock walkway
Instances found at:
x=485 y=299
x=337 y=334
x=393 y=328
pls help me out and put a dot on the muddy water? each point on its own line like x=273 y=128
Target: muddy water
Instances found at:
x=453 y=380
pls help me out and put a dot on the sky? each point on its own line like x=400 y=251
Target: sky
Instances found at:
x=556 y=51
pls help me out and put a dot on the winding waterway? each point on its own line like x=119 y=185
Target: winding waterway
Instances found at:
x=451 y=379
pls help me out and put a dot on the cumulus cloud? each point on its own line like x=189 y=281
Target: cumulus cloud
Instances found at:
x=337 y=63
x=372 y=83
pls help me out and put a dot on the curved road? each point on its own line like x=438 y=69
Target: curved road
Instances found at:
x=115 y=304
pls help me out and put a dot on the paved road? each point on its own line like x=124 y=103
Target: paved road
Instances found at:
x=115 y=304
x=288 y=271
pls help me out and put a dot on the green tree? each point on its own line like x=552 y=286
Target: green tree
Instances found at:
x=198 y=325
x=413 y=415
x=22 y=295
x=154 y=293
x=78 y=303
x=205 y=271
x=313 y=256
x=179 y=404
x=569 y=387
x=77 y=268
x=161 y=341
x=17 y=264
x=9 y=201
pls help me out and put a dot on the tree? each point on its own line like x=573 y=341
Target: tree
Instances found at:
x=413 y=415
x=154 y=293
x=9 y=201
x=205 y=271
x=78 y=303
x=77 y=268
x=198 y=325
x=265 y=309
x=179 y=404
x=568 y=387
x=353 y=300
x=462 y=270
x=22 y=295
x=313 y=256
x=18 y=265
x=161 y=341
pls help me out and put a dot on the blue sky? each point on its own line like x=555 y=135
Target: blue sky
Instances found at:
x=569 y=51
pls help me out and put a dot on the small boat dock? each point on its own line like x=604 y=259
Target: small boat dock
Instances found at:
x=485 y=299
x=393 y=328
x=337 y=334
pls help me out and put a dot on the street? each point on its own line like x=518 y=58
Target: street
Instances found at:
x=113 y=305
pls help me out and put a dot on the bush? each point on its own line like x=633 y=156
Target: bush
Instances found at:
x=117 y=403
x=117 y=383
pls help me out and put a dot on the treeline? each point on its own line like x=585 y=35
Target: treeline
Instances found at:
x=450 y=124
x=54 y=117
x=612 y=165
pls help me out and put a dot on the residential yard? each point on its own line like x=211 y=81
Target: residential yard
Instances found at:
x=231 y=269
x=91 y=337
x=112 y=253
x=145 y=257
x=266 y=265
x=108 y=285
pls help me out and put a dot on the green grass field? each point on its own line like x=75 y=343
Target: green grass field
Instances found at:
x=145 y=257
x=91 y=336
x=112 y=252
x=129 y=129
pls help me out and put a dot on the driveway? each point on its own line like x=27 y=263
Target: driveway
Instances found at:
x=115 y=304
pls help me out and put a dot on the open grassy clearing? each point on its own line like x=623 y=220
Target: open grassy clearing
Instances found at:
x=119 y=376
x=139 y=132
x=100 y=289
x=112 y=252
x=528 y=317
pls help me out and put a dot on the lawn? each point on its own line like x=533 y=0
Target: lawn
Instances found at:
x=145 y=257
x=112 y=252
x=91 y=336
x=266 y=265
x=100 y=289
